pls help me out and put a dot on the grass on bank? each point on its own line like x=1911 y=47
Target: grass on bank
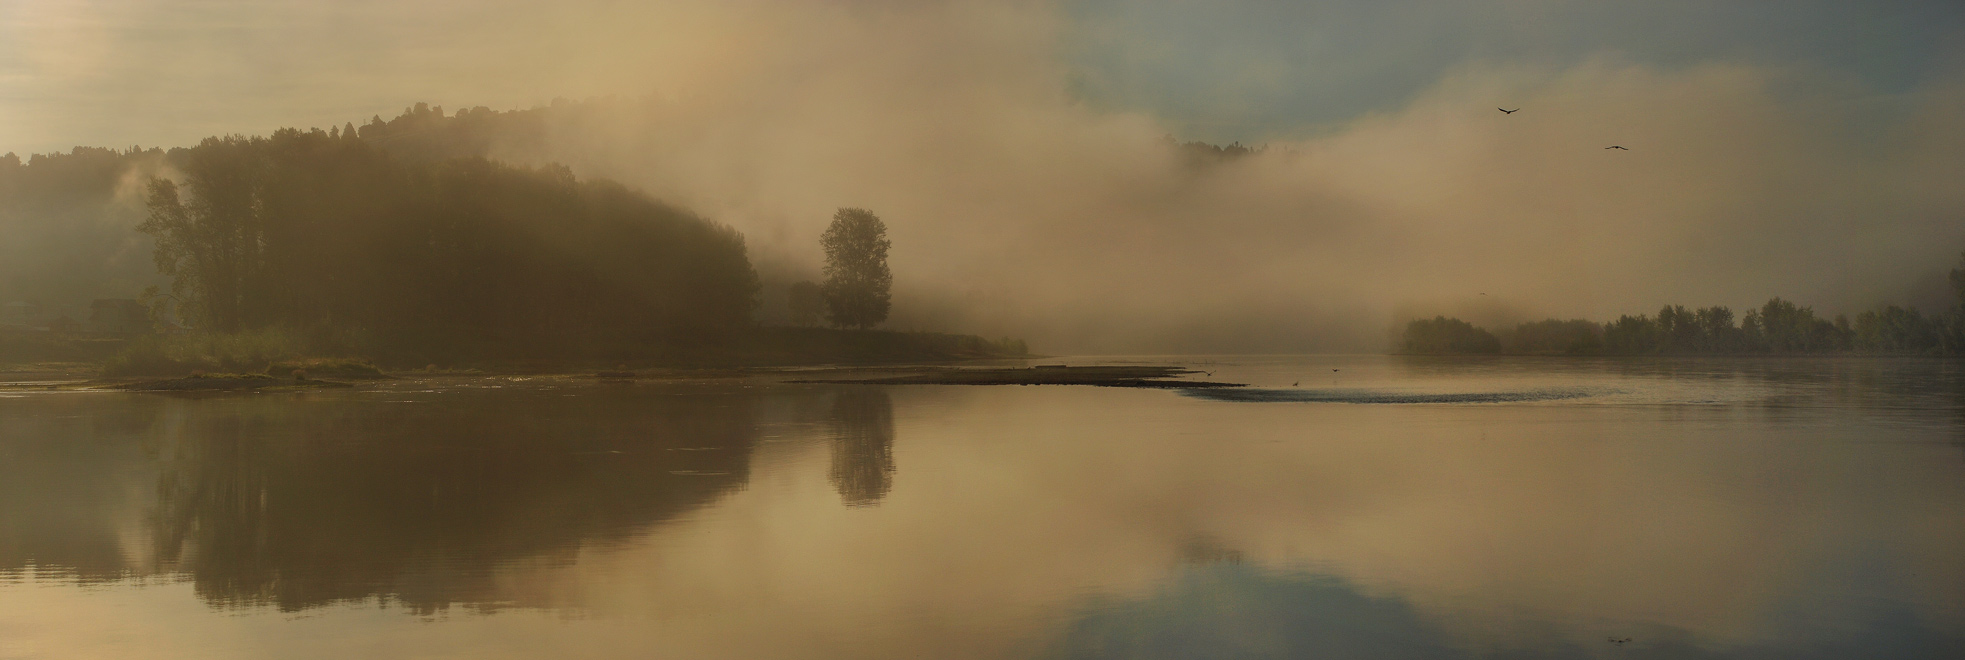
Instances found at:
x=274 y=351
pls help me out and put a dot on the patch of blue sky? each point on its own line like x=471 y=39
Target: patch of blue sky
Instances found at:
x=1252 y=70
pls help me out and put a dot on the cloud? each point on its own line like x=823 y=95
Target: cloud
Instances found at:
x=1018 y=209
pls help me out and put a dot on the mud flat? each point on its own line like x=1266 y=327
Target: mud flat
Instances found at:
x=1127 y=376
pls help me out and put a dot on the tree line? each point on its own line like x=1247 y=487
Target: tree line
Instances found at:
x=321 y=230
x=1777 y=327
x=65 y=222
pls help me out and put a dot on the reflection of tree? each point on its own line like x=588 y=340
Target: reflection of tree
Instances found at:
x=66 y=463
x=862 y=445
x=298 y=505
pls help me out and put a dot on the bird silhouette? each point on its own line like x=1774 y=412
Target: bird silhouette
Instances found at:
x=1620 y=642
x=1296 y=383
x=1483 y=293
x=1506 y=111
x=1333 y=370
x=1615 y=147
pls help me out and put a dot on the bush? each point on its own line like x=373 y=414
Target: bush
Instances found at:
x=179 y=355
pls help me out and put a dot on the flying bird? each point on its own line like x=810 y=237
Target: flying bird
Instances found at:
x=1506 y=111
x=1615 y=147
x=1296 y=383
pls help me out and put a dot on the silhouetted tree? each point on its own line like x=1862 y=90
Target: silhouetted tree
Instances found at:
x=212 y=242
x=857 y=279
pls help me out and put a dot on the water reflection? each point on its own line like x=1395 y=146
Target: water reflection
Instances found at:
x=862 y=423
x=1730 y=510
x=299 y=504
x=65 y=466
x=1228 y=610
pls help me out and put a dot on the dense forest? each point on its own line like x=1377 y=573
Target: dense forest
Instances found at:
x=397 y=240
x=67 y=220
x=1777 y=327
x=321 y=231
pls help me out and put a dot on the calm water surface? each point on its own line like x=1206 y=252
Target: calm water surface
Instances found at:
x=1342 y=507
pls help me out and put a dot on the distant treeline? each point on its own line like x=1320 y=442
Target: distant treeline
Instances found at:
x=1778 y=327
x=320 y=230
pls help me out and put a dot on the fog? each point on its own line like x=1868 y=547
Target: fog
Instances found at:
x=1023 y=201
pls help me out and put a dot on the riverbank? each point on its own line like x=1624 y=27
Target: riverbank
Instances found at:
x=278 y=353
x=1155 y=377
x=1131 y=376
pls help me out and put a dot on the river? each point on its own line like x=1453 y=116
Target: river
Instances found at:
x=1341 y=506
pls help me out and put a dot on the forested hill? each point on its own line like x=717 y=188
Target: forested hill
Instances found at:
x=423 y=132
x=316 y=229
x=67 y=220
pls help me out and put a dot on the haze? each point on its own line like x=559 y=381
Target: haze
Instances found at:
x=1019 y=150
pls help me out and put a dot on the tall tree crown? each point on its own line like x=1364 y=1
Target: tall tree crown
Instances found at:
x=857 y=280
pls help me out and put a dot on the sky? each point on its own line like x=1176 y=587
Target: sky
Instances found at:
x=1808 y=149
x=1253 y=71
x=118 y=72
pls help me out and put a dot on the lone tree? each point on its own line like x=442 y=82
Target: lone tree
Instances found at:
x=857 y=279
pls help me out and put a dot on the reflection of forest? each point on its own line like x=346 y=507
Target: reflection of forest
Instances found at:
x=862 y=445
x=68 y=467
x=301 y=503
